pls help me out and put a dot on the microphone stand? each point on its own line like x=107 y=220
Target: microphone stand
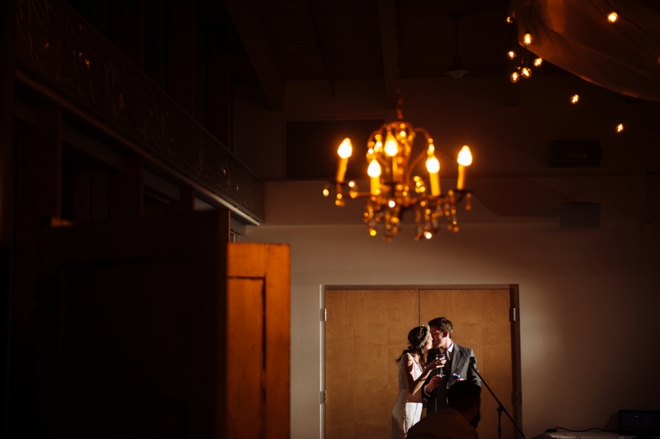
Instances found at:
x=500 y=407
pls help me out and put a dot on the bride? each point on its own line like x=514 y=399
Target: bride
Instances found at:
x=408 y=408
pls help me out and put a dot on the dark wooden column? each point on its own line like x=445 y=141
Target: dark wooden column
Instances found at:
x=126 y=197
x=218 y=85
x=126 y=28
x=38 y=200
x=7 y=164
x=181 y=53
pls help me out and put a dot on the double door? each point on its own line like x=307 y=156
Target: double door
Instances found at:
x=366 y=330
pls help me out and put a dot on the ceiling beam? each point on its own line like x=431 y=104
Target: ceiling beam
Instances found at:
x=388 y=42
x=246 y=20
x=319 y=43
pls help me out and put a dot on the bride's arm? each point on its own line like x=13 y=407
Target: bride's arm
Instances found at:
x=414 y=385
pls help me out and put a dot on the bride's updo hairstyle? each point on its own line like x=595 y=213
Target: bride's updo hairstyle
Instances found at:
x=417 y=339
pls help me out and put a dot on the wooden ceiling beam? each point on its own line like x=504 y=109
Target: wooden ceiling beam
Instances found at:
x=388 y=42
x=245 y=17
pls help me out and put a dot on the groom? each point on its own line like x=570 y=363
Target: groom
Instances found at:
x=458 y=358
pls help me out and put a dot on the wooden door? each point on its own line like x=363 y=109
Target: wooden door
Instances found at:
x=367 y=329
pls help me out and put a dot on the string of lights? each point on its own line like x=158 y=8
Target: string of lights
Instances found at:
x=621 y=125
x=523 y=69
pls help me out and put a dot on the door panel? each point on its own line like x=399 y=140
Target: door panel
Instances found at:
x=245 y=340
x=481 y=322
x=366 y=331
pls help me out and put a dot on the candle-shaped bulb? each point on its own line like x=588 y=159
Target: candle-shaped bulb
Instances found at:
x=464 y=159
x=527 y=38
x=433 y=166
x=374 y=172
x=345 y=150
x=526 y=72
x=391 y=146
x=612 y=17
x=575 y=99
x=374 y=169
x=514 y=77
x=511 y=54
x=465 y=156
x=538 y=62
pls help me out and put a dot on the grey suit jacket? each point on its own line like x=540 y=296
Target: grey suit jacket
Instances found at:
x=460 y=364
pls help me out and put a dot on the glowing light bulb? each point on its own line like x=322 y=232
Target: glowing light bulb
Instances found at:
x=538 y=62
x=612 y=17
x=575 y=98
x=391 y=147
x=515 y=77
x=391 y=203
x=527 y=39
x=373 y=232
x=619 y=128
x=526 y=72
x=326 y=191
x=465 y=156
x=374 y=171
x=511 y=54
x=509 y=19
x=433 y=166
x=345 y=150
x=428 y=235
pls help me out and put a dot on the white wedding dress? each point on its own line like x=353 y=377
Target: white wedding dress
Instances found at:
x=408 y=408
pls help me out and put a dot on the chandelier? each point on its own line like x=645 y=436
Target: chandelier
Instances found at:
x=393 y=187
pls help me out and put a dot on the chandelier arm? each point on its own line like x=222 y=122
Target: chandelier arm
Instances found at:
x=414 y=162
x=423 y=131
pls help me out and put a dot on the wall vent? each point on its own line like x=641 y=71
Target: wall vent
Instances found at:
x=311 y=147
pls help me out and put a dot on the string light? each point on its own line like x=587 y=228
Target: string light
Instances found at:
x=524 y=70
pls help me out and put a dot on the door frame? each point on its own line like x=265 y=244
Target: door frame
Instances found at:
x=514 y=319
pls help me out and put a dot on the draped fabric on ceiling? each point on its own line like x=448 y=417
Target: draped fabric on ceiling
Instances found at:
x=575 y=35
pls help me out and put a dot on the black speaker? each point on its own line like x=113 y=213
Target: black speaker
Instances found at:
x=579 y=215
x=575 y=153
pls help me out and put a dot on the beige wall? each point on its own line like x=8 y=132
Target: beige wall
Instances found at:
x=589 y=298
